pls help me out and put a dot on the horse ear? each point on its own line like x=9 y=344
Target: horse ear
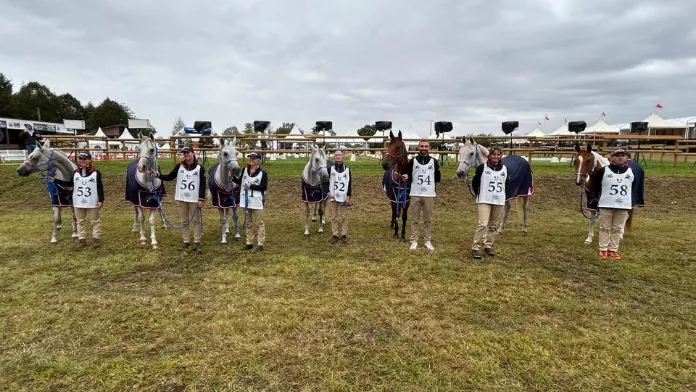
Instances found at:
x=46 y=144
x=391 y=135
x=471 y=139
x=589 y=147
x=152 y=137
x=577 y=147
x=234 y=142
x=399 y=134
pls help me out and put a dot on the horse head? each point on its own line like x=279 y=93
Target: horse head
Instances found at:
x=584 y=163
x=318 y=163
x=229 y=155
x=470 y=154
x=38 y=160
x=397 y=154
x=147 y=154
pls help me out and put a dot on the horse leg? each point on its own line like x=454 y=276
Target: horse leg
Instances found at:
x=223 y=225
x=74 y=223
x=236 y=226
x=404 y=218
x=393 y=216
x=153 y=223
x=322 y=221
x=522 y=204
x=314 y=216
x=141 y=223
x=395 y=221
x=590 y=229
x=306 y=225
x=506 y=210
x=135 y=220
x=56 y=225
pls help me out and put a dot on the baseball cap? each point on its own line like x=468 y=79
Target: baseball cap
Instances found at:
x=254 y=155
x=187 y=149
x=618 y=152
x=84 y=155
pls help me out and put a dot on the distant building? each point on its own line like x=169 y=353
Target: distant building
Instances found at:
x=10 y=129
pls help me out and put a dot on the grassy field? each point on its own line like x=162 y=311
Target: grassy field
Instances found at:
x=544 y=314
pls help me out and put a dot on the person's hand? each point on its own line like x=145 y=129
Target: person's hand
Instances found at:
x=99 y=204
x=404 y=177
x=152 y=172
x=348 y=200
x=200 y=203
x=50 y=178
x=331 y=195
x=247 y=186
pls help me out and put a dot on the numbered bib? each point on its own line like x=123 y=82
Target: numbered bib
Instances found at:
x=616 y=190
x=339 y=185
x=85 y=191
x=249 y=198
x=423 y=183
x=492 y=189
x=187 y=184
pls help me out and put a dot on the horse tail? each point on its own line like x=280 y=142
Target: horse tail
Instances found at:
x=629 y=222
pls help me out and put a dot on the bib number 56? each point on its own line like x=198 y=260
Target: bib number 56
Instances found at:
x=190 y=186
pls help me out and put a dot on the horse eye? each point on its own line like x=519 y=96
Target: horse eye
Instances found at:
x=225 y=154
x=152 y=150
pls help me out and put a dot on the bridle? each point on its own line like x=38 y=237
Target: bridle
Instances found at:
x=466 y=175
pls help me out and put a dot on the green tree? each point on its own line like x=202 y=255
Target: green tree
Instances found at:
x=367 y=131
x=284 y=129
x=34 y=101
x=178 y=127
x=249 y=130
x=229 y=131
x=71 y=108
x=5 y=96
x=109 y=112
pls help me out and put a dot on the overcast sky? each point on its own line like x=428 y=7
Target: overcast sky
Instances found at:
x=475 y=63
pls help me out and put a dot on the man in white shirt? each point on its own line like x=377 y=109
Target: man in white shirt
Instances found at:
x=423 y=173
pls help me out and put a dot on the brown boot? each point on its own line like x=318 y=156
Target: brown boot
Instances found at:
x=95 y=243
x=81 y=244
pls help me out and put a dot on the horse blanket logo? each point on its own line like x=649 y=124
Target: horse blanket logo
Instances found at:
x=139 y=195
x=314 y=194
x=220 y=197
x=520 y=178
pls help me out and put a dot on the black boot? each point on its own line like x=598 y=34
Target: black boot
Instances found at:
x=334 y=239
x=196 y=245
x=248 y=246
x=476 y=254
x=344 y=239
x=259 y=248
x=489 y=252
x=184 y=245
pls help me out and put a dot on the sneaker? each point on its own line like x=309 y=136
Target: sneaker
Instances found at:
x=95 y=243
x=489 y=252
x=196 y=246
x=614 y=255
x=476 y=254
x=602 y=254
x=429 y=245
x=248 y=246
x=184 y=245
x=259 y=248
x=414 y=245
x=334 y=239
x=344 y=239
x=81 y=244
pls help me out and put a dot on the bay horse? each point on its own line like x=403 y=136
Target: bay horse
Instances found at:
x=56 y=164
x=586 y=163
x=521 y=178
x=398 y=191
x=224 y=192
x=143 y=190
x=315 y=186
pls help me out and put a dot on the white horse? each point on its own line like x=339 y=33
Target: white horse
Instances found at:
x=146 y=189
x=473 y=154
x=223 y=191
x=315 y=176
x=59 y=166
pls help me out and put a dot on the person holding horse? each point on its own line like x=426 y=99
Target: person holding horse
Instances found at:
x=423 y=172
x=340 y=191
x=190 y=195
x=490 y=201
x=88 y=198
x=614 y=184
x=254 y=182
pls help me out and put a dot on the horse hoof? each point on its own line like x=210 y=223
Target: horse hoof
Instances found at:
x=223 y=243
x=236 y=239
x=154 y=246
x=74 y=235
x=588 y=241
x=306 y=235
x=54 y=241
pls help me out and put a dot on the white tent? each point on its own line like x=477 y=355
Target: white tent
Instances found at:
x=560 y=132
x=126 y=135
x=600 y=127
x=101 y=143
x=536 y=132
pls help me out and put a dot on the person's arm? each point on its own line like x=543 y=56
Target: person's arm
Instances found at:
x=23 y=136
x=409 y=170
x=637 y=188
x=100 y=187
x=350 y=187
x=201 y=190
x=172 y=175
x=597 y=180
x=68 y=184
x=263 y=185
x=437 y=170
x=476 y=181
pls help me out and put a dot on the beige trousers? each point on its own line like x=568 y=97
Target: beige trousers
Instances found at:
x=426 y=205
x=255 y=228
x=335 y=209
x=80 y=215
x=185 y=212
x=489 y=217
x=611 y=221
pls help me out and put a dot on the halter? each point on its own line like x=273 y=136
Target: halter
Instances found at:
x=466 y=176
x=583 y=188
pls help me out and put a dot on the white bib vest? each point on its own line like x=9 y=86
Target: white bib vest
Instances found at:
x=85 y=191
x=423 y=183
x=255 y=198
x=492 y=189
x=187 y=184
x=616 y=190
x=338 y=185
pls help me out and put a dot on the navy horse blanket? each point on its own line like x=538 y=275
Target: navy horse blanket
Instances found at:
x=637 y=197
x=397 y=191
x=137 y=194
x=313 y=194
x=520 y=180
x=61 y=196
x=221 y=197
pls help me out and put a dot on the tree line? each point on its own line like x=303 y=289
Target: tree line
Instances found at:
x=35 y=101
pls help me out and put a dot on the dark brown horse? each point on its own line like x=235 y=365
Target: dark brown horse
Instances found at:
x=397 y=189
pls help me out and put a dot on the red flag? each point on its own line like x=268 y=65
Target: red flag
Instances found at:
x=658 y=106
x=603 y=115
x=547 y=117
